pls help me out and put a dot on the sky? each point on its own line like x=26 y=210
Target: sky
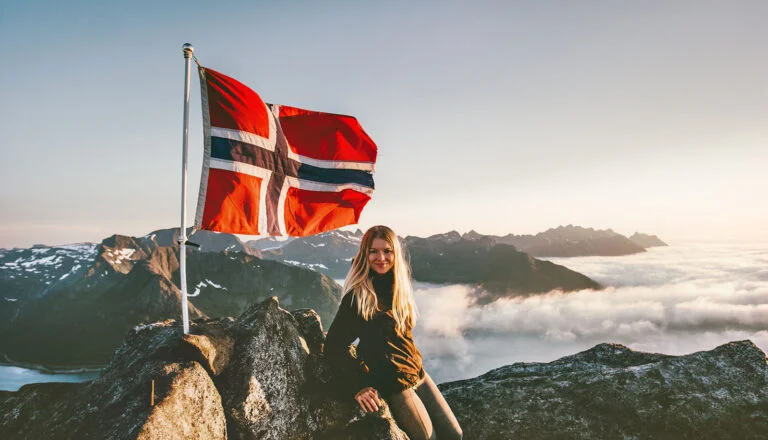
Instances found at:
x=503 y=117
x=674 y=300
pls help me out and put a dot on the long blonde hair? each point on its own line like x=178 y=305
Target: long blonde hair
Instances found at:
x=358 y=281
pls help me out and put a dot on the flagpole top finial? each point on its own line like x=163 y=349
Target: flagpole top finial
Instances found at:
x=188 y=50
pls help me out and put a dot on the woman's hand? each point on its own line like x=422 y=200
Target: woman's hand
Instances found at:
x=368 y=399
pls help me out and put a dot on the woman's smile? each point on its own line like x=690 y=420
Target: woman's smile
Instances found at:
x=381 y=257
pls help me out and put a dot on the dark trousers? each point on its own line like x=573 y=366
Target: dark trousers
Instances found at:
x=423 y=413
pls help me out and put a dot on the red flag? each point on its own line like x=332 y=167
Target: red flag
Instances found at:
x=278 y=170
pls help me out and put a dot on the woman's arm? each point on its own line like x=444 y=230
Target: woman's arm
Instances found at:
x=343 y=361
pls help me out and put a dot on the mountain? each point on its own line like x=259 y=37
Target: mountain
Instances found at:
x=55 y=298
x=263 y=375
x=612 y=392
x=442 y=258
x=500 y=269
x=568 y=241
x=646 y=240
x=330 y=252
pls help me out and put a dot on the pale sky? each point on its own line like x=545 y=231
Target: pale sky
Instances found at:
x=507 y=116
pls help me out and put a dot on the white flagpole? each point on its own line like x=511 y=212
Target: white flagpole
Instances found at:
x=188 y=50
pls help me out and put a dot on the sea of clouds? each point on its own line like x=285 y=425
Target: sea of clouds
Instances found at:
x=673 y=300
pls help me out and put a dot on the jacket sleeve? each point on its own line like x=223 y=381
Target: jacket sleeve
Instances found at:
x=349 y=372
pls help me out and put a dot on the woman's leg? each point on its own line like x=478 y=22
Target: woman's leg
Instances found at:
x=445 y=423
x=411 y=415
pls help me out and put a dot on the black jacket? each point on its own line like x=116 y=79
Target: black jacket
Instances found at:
x=384 y=359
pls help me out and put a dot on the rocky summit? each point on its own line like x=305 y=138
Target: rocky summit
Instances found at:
x=262 y=375
x=612 y=392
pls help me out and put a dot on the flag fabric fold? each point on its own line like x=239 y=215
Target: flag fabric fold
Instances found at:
x=277 y=170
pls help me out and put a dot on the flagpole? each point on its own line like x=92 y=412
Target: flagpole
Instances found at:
x=188 y=50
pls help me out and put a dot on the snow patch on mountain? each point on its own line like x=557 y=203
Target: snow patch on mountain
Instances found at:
x=119 y=255
x=75 y=268
x=312 y=266
x=45 y=261
x=206 y=282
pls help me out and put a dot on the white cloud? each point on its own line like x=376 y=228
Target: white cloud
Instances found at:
x=672 y=300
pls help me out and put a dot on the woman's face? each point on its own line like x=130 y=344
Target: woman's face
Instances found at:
x=381 y=256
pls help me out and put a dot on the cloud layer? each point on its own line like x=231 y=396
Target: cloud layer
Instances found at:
x=673 y=300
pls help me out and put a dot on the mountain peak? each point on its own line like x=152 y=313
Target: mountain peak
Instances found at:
x=646 y=240
x=448 y=237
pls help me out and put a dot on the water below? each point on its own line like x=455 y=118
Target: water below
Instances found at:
x=13 y=378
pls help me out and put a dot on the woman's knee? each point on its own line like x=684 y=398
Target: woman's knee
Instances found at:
x=418 y=430
x=411 y=416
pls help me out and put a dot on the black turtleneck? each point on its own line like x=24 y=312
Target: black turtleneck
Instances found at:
x=385 y=359
x=383 y=285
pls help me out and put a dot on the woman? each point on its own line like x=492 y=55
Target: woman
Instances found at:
x=378 y=308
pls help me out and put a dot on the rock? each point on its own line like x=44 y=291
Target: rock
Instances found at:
x=187 y=406
x=261 y=388
x=311 y=328
x=261 y=376
x=612 y=392
x=374 y=426
x=212 y=348
x=117 y=405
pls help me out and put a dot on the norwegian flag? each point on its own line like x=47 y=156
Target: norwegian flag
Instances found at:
x=278 y=170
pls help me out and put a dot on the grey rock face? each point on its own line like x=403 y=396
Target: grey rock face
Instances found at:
x=261 y=387
x=260 y=376
x=188 y=406
x=612 y=392
x=117 y=405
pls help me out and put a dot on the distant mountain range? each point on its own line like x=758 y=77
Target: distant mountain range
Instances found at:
x=54 y=298
x=503 y=265
x=575 y=241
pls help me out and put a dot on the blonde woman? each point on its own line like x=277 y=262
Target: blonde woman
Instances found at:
x=378 y=309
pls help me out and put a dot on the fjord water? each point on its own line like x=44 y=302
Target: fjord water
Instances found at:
x=13 y=378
